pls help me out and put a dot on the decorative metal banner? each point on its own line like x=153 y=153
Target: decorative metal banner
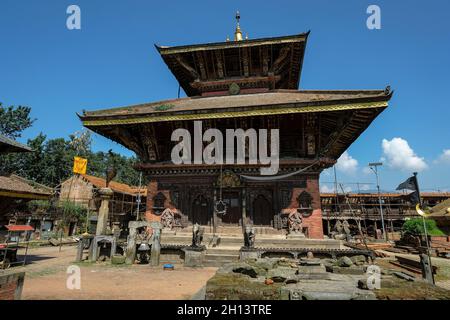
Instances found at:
x=79 y=165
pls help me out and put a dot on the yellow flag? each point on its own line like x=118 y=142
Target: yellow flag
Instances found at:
x=79 y=165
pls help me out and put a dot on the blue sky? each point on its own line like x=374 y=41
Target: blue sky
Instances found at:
x=112 y=61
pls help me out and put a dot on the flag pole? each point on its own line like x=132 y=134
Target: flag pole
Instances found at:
x=424 y=224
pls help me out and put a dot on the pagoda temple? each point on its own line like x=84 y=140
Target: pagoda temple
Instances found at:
x=241 y=83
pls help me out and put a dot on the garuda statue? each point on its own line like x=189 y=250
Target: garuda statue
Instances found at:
x=197 y=236
x=249 y=237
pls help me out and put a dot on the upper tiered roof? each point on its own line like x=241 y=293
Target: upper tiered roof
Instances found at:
x=237 y=66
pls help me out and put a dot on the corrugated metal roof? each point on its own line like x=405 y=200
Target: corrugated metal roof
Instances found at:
x=19 y=228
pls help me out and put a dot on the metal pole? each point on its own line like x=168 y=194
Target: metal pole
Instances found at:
x=386 y=238
x=372 y=166
x=424 y=225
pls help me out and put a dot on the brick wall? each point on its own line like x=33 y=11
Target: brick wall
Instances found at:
x=314 y=221
x=11 y=285
x=152 y=190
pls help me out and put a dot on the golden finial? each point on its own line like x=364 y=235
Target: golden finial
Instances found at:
x=238 y=33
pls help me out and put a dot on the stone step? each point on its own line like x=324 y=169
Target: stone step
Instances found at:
x=223 y=250
x=231 y=230
x=217 y=260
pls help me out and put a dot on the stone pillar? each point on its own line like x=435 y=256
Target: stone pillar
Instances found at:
x=102 y=221
x=131 y=244
x=79 y=251
x=156 y=244
x=93 y=253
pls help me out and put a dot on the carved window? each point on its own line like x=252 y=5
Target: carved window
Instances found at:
x=159 y=200
x=175 y=197
x=305 y=200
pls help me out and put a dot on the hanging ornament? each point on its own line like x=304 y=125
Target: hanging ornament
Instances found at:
x=220 y=207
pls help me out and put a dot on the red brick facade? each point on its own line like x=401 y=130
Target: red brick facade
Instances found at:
x=312 y=223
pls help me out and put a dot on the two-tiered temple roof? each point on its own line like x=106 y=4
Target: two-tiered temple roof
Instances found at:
x=239 y=79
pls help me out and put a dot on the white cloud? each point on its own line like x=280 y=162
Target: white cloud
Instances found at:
x=347 y=164
x=330 y=189
x=347 y=189
x=326 y=189
x=364 y=187
x=399 y=155
x=444 y=157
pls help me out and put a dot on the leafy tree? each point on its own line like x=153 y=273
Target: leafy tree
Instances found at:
x=415 y=227
x=51 y=161
x=13 y=120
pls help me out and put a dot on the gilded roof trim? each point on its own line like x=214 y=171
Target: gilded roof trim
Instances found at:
x=231 y=114
x=163 y=50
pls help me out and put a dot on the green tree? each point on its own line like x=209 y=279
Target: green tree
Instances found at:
x=13 y=120
x=51 y=161
x=415 y=227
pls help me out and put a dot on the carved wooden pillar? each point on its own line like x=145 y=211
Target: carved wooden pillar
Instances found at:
x=214 y=212
x=244 y=209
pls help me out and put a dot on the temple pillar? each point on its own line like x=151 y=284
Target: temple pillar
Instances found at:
x=131 y=243
x=102 y=220
x=214 y=212
x=156 y=244
x=244 y=210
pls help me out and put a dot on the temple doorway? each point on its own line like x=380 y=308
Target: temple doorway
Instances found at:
x=199 y=211
x=233 y=202
x=262 y=211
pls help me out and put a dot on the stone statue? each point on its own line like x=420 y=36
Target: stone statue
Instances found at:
x=341 y=231
x=249 y=237
x=346 y=227
x=338 y=228
x=197 y=236
x=143 y=235
x=295 y=222
x=168 y=219
x=156 y=236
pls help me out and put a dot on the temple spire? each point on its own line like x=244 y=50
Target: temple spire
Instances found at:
x=238 y=33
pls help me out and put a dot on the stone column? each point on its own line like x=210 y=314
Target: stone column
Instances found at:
x=156 y=244
x=131 y=243
x=79 y=256
x=102 y=220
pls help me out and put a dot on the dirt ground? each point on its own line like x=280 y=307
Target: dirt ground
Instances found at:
x=442 y=277
x=46 y=278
